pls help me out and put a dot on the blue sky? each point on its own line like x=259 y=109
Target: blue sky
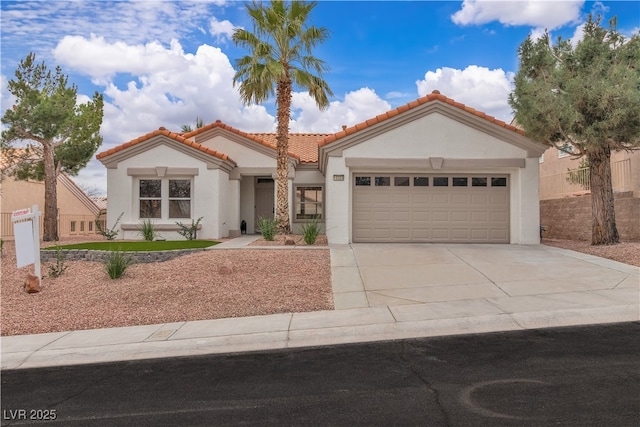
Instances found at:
x=162 y=63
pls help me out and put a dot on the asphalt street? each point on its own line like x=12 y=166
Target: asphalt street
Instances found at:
x=583 y=376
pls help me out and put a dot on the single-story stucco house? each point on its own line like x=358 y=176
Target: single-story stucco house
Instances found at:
x=433 y=170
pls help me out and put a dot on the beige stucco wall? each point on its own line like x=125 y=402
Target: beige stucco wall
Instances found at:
x=436 y=136
x=16 y=195
x=625 y=173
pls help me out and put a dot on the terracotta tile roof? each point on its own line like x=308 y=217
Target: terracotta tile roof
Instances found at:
x=266 y=139
x=303 y=145
x=173 y=135
x=433 y=96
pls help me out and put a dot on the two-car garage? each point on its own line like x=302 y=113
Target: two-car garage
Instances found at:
x=430 y=207
x=431 y=171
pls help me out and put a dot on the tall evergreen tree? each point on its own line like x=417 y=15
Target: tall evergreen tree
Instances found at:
x=280 y=59
x=60 y=134
x=587 y=95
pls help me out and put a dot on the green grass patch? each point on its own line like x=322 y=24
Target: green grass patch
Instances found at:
x=162 y=245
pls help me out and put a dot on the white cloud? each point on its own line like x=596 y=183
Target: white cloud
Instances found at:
x=358 y=106
x=534 y=13
x=478 y=87
x=164 y=86
x=221 y=30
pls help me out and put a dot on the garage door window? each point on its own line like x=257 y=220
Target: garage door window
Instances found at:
x=420 y=181
x=479 y=182
x=383 y=181
x=459 y=181
x=401 y=181
x=498 y=182
x=441 y=181
x=363 y=180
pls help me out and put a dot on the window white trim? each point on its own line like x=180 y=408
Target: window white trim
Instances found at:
x=300 y=205
x=165 y=200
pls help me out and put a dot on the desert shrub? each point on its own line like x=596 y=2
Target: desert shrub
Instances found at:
x=310 y=232
x=267 y=227
x=111 y=233
x=116 y=264
x=57 y=269
x=189 y=232
x=148 y=230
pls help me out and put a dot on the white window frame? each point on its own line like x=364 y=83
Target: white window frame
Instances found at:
x=319 y=204
x=164 y=196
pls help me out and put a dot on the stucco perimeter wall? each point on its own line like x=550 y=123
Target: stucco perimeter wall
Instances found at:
x=570 y=217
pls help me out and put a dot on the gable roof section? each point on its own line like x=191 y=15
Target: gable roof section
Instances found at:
x=70 y=184
x=62 y=178
x=304 y=145
x=123 y=151
x=267 y=140
x=332 y=145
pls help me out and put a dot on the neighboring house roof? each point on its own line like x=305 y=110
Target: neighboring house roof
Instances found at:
x=172 y=135
x=63 y=179
x=79 y=193
x=101 y=202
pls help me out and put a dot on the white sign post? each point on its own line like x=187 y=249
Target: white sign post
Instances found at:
x=26 y=229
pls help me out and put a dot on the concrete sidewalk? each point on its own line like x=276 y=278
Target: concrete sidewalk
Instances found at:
x=381 y=292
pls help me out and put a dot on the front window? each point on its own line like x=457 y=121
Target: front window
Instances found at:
x=309 y=202
x=179 y=198
x=150 y=198
x=165 y=198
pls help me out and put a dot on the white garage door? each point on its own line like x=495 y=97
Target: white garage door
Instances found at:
x=430 y=208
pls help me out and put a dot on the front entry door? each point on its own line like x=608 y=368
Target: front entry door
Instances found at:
x=265 y=205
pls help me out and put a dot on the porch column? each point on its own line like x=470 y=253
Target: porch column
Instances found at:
x=233 y=205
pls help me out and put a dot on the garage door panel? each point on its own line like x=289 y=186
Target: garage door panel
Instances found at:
x=480 y=234
x=479 y=199
x=460 y=234
x=440 y=216
x=499 y=199
x=499 y=216
x=479 y=216
x=440 y=233
x=440 y=199
x=460 y=199
x=430 y=214
x=404 y=216
x=499 y=234
x=460 y=216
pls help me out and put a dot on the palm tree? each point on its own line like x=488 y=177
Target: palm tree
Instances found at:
x=187 y=128
x=280 y=58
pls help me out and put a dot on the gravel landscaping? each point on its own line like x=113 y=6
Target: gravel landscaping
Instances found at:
x=191 y=287
x=626 y=252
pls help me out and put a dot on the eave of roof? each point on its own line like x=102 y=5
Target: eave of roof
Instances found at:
x=264 y=139
x=172 y=135
x=434 y=96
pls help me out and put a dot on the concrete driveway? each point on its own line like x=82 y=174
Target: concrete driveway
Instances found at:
x=428 y=281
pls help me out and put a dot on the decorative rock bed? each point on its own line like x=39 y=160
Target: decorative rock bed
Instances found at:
x=101 y=256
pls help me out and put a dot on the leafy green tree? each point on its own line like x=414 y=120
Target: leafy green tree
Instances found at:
x=587 y=95
x=60 y=134
x=280 y=59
